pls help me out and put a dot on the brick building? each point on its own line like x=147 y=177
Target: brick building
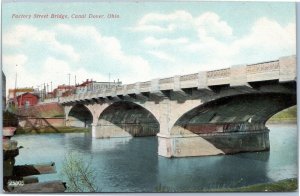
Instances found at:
x=27 y=99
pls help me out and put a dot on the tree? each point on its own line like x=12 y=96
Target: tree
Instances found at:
x=78 y=173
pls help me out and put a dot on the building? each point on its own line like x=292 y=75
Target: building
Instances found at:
x=27 y=99
x=63 y=90
x=90 y=85
x=14 y=93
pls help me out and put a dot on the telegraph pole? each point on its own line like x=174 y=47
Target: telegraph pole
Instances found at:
x=69 y=78
x=109 y=80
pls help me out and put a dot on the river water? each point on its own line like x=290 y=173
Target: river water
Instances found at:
x=132 y=164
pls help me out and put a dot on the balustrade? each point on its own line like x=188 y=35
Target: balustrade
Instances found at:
x=263 y=67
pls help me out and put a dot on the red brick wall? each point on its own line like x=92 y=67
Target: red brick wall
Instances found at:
x=32 y=99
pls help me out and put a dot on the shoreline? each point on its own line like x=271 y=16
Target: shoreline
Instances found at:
x=282 y=121
x=47 y=130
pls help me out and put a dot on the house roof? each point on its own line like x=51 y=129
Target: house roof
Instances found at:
x=27 y=93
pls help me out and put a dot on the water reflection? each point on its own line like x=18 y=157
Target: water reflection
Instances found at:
x=211 y=172
x=132 y=164
x=85 y=143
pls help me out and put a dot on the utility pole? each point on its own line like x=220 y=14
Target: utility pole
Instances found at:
x=69 y=78
x=51 y=86
x=44 y=91
x=109 y=80
x=75 y=80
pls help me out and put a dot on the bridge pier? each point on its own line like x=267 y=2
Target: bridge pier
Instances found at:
x=94 y=130
x=216 y=143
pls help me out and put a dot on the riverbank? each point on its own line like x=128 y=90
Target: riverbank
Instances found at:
x=282 y=121
x=287 y=185
x=45 y=130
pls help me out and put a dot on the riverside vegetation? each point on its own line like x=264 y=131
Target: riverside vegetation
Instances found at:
x=78 y=173
x=287 y=185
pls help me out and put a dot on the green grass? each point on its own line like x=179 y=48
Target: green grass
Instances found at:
x=289 y=114
x=44 y=130
x=287 y=185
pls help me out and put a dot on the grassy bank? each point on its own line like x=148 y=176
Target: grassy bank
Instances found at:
x=288 y=115
x=287 y=185
x=44 y=130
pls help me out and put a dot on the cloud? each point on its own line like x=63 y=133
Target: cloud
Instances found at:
x=155 y=22
x=162 y=55
x=171 y=44
x=22 y=34
x=268 y=36
x=50 y=54
x=210 y=24
x=110 y=51
x=165 y=41
x=207 y=39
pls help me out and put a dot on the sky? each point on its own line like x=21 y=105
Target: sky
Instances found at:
x=143 y=41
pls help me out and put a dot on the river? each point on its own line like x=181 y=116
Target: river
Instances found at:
x=132 y=164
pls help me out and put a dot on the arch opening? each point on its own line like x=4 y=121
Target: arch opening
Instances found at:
x=227 y=125
x=233 y=114
x=79 y=116
x=126 y=119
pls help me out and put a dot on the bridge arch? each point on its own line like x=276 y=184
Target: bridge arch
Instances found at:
x=233 y=113
x=79 y=116
x=124 y=118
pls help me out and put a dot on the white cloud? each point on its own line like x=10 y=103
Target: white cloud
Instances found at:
x=162 y=55
x=188 y=44
x=21 y=34
x=211 y=40
x=58 y=59
x=269 y=36
x=210 y=24
x=155 y=22
x=110 y=48
x=165 y=41
x=17 y=35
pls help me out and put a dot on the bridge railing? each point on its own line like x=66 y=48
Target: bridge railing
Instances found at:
x=145 y=86
x=283 y=69
x=166 y=83
x=267 y=70
x=188 y=81
x=218 y=77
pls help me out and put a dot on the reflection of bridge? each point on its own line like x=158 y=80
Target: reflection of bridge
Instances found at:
x=205 y=113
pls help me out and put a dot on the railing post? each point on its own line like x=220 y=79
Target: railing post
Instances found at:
x=287 y=68
x=202 y=80
x=238 y=75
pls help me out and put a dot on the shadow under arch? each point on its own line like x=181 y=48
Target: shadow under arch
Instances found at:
x=79 y=116
x=125 y=118
x=232 y=111
x=227 y=125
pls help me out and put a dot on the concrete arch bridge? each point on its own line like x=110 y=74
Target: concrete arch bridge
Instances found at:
x=206 y=113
